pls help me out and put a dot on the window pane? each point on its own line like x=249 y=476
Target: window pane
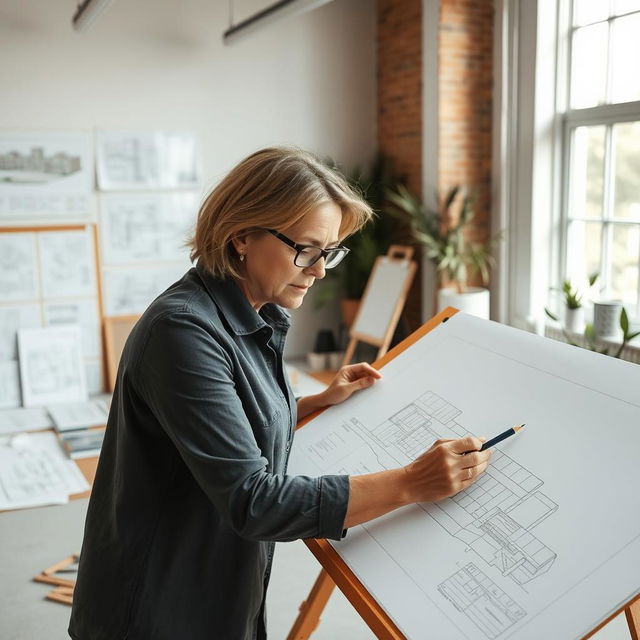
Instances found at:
x=624 y=263
x=583 y=252
x=625 y=44
x=625 y=6
x=587 y=172
x=589 y=66
x=626 y=145
x=588 y=11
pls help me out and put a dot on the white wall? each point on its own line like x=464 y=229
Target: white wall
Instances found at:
x=161 y=64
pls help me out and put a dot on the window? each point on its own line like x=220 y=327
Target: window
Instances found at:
x=600 y=222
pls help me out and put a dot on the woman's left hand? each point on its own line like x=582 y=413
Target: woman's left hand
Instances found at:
x=350 y=378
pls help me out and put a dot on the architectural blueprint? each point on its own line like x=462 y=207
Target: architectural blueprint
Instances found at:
x=529 y=546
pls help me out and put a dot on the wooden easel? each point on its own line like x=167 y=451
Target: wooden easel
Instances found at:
x=401 y=256
x=336 y=572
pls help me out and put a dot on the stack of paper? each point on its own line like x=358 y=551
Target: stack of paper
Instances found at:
x=35 y=471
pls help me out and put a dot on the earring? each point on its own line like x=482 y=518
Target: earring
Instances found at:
x=242 y=257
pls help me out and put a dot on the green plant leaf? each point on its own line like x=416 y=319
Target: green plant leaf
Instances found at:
x=551 y=315
x=624 y=321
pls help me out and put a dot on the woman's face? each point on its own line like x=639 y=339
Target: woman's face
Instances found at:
x=268 y=269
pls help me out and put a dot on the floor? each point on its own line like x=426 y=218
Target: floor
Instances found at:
x=33 y=539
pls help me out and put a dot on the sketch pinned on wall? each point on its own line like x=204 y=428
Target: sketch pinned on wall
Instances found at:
x=51 y=366
x=45 y=175
x=68 y=263
x=94 y=377
x=18 y=267
x=81 y=312
x=9 y=384
x=12 y=318
x=139 y=227
x=147 y=160
x=129 y=291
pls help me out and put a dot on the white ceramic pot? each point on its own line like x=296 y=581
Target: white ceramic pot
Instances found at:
x=474 y=300
x=606 y=319
x=316 y=361
x=574 y=320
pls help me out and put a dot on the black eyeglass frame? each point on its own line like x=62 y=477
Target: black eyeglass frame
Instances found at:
x=299 y=248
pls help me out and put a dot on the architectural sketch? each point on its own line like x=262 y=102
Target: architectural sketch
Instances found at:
x=81 y=312
x=18 y=268
x=68 y=264
x=45 y=174
x=145 y=227
x=9 y=384
x=12 y=318
x=129 y=291
x=147 y=160
x=536 y=543
x=51 y=368
x=36 y=166
x=486 y=605
x=494 y=517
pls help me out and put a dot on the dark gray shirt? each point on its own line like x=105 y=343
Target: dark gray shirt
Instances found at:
x=191 y=489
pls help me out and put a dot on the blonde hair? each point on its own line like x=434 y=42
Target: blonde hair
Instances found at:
x=271 y=189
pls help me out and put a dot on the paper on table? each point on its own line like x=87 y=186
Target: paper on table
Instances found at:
x=34 y=471
x=9 y=384
x=530 y=546
x=24 y=419
x=301 y=383
x=68 y=416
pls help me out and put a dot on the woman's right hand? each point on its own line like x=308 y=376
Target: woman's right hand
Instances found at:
x=445 y=469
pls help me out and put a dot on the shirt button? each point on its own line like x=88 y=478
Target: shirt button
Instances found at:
x=287 y=447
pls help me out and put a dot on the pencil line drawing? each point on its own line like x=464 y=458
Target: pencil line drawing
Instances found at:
x=487 y=606
x=494 y=517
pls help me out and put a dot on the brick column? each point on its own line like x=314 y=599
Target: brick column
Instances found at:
x=399 y=75
x=465 y=61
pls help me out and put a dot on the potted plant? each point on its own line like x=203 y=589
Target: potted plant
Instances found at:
x=455 y=257
x=573 y=310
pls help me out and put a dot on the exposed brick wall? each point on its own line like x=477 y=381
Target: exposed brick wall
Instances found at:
x=465 y=80
x=399 y=75
x=465 y=62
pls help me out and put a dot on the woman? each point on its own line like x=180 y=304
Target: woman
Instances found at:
x=191 y=490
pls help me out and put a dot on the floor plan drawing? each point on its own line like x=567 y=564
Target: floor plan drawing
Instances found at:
x=495 y=516
x=486 y=605
x=535 y=542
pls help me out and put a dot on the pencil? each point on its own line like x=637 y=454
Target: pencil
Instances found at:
x=501 y=437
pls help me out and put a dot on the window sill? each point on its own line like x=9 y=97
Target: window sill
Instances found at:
x=631 y=353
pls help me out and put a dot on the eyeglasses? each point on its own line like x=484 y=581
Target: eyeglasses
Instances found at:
x=308 y=255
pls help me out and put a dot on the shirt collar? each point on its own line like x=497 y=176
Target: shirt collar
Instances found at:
x=235 y=307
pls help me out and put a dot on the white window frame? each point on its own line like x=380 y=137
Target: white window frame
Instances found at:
x=530 y=161
x=607 y=115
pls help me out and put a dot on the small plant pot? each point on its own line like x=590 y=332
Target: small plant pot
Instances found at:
x=574 y=320
x=316 y=361
x=335 y=359
x=474 y=300
x=606 y=319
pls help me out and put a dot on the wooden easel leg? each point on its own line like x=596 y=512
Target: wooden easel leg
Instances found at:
x=633 y=619
x=351 y=347
x=310 y=610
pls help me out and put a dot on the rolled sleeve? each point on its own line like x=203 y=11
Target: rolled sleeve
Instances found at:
x=334 y=498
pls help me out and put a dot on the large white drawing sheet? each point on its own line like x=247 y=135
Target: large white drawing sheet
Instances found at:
x=547 y=541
